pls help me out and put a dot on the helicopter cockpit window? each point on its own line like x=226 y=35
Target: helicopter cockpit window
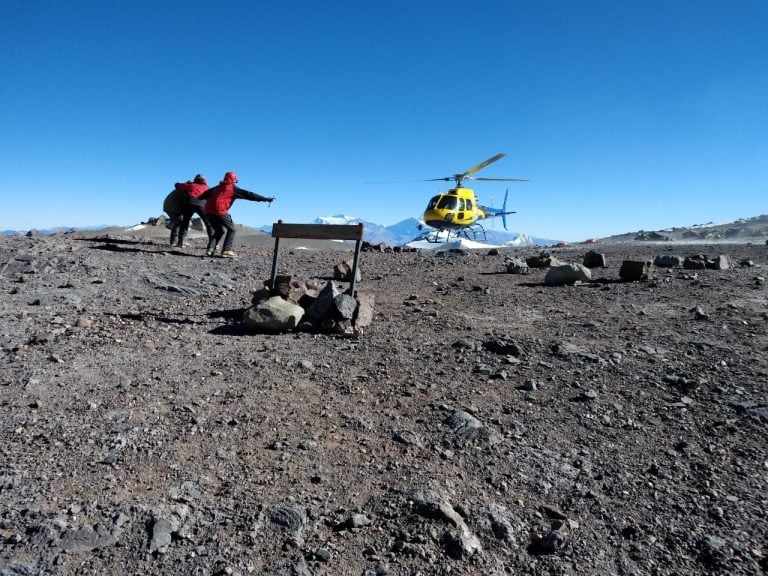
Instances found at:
x=448 y=203
x=469 y=204
x=432 y=203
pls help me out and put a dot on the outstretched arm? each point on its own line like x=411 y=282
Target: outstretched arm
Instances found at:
x=246 y=195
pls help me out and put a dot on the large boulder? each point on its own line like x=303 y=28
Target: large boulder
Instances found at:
x=273 y=315
x=567 y=274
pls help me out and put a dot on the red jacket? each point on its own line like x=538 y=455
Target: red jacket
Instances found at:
x=192 y=189
x=220 y=198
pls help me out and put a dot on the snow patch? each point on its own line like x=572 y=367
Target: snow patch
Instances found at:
x=340 y=219
x=458 y=244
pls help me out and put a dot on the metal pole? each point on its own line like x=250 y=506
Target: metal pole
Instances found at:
x=354 y=268
x=273 y=276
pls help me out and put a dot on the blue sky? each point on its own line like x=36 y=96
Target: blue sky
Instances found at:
x=624 y=115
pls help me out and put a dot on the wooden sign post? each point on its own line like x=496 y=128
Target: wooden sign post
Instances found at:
x=317 y=232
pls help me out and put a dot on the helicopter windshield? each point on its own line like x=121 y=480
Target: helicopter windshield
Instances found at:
x=448 y=203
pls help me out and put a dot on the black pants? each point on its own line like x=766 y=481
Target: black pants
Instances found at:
x=177 y=220
x=221 y=225
x=190 y=211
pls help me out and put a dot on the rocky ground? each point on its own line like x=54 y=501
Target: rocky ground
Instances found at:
x=483 y=424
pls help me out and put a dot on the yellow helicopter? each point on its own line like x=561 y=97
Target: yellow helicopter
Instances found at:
x=458 y=211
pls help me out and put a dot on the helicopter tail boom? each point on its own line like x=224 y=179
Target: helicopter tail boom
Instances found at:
x=498 y=212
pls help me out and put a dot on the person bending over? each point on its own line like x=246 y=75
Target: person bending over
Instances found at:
x=191 y=191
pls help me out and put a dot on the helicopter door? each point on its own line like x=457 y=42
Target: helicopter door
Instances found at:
x=460 y=215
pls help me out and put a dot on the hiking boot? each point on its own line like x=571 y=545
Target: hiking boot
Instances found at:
x=228 y=254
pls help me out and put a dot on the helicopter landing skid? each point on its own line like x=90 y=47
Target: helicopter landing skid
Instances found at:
x=475 y=232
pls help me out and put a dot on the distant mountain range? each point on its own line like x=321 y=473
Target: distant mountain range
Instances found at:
x=412 y=229
x=409 y=230
x=56 y=230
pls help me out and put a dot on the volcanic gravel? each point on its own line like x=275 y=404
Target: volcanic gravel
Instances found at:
x=484 y=423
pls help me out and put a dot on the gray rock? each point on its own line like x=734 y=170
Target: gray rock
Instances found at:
x=89 y=538
x=166 y=522
x=162 y=529
x=468 y=428
x=364 y=314
x=463 y=423
x=594 y=259
x=719 y=262
x=343 y=272
x=552 y=543
x=567 y=274
x=698 y=262
x=19 y=569
x=344 y=306
x=430 y=504
x=668 y=261
x=273 y=315
x=714 y=551
x=542 y=260
x=529 y=386
x=320 y=308
x=500 y=523
x=516 y=266
x=355 y=522
x=289 y=516
x=633 y=270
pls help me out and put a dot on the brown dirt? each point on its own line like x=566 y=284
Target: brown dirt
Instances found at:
x=142 y=431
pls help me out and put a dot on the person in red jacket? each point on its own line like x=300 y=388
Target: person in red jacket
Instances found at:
x=191 y=192
x=218 y=200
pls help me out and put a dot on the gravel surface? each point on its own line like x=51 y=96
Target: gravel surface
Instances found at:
x=484 y=423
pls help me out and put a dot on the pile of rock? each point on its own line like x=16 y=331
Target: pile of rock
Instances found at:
x=695 y=262
x=309 y=306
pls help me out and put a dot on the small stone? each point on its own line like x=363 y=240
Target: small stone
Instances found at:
x=529 y=386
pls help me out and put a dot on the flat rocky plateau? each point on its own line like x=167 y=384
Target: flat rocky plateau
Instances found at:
x=484 y=423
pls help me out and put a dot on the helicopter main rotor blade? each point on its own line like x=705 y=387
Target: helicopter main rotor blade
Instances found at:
x=481 y=165
x=396 y=182
x=500 y=179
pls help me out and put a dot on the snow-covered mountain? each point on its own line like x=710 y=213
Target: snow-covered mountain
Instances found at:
x=411 y=229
